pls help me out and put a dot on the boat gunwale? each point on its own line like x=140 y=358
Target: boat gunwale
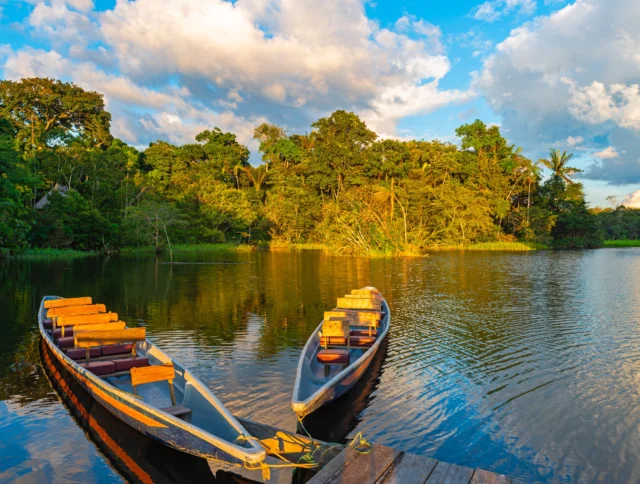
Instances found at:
x=315 y=396
x=252 y=455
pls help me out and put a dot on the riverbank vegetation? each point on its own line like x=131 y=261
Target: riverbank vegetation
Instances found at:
x=67 y=183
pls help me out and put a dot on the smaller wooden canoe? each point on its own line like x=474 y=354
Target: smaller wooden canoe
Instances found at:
x=140 y=384
x=340 y=349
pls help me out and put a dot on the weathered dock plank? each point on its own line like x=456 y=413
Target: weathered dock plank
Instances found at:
x=449 y=474
x=365 y=468
x=383 y=465
x=334 y=467
x=481 y=476
x=409 y=469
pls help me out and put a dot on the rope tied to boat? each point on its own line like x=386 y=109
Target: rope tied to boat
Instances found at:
x=363 y=446
x=266 y=468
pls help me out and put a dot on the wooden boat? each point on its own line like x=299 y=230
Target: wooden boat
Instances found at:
x=140 y=384
x=340 y=349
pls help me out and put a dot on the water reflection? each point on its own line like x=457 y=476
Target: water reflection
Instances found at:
x=525 y=364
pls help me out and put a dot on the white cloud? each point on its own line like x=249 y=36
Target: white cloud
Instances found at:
x=597 y=103
x=632 y=200
x=574 y=141
x=140 y=114
x=572 y=73
x=294 y=60
x=607 y=153
x=492 y=10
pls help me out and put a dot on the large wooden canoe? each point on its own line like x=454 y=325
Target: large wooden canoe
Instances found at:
x=340 y=349
x=140 y=384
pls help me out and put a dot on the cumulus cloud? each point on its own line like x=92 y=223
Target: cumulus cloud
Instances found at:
x=632 y=200
x=572 y=73
x=289 y=60
x=607 y=153
x=574 y=141
x=140 y=114
x=492 y=10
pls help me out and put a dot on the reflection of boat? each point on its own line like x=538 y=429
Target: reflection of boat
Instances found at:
x=135 y=381
x=137 y=457
x=340 y=349
x=335 y=421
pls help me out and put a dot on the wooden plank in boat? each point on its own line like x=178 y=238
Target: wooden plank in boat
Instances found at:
x=70 y=310
x=70 y=301
x=481 y=476
x=371 y=297
x=87 y=339
x=409 y=469
x=151 y=374
x=449 y=474
x=73 y=320
x=360 y=317
x=100 y=326
x=366 y=468
x=358 y=303
x=334 y=467
x=365 y=292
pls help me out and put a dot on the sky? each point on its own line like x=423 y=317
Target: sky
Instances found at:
x=550 y=73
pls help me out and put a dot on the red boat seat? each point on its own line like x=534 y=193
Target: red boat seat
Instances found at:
x=81 y=353
x=120 y=349
x=100 y=368
x=127 y=364
x=57 y=333
x=333 y=357
x=363 y=332
x=47 y=323
x=333 y=341
x=362 y=340
x=66 y=342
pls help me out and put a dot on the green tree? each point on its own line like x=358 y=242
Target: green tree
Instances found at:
x=43 y=110
x=557 y=163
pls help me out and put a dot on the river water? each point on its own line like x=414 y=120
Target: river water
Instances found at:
x=526 y=364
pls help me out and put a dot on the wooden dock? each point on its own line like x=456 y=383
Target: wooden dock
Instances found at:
x=383 y=465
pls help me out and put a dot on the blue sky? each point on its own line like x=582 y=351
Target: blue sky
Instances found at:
x=550 y=73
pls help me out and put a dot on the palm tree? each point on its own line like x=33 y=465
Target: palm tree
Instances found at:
x=557 y=163
x=257 y=176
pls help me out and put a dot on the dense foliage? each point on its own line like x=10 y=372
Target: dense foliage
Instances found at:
x=338 y=185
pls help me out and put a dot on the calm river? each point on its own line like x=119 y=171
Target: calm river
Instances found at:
x=527 y=364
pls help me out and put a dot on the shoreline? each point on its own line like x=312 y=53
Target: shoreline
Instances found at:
x=61 y=254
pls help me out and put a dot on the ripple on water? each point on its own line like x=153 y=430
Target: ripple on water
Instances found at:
x=525 y=364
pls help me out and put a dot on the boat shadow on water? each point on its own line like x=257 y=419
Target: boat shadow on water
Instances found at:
x=335 y=421
x=135 y=456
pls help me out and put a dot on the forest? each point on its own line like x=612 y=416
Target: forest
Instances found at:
x=67 y=183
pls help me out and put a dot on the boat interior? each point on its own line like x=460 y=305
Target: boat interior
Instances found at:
x=121 y=356
x=345 y=334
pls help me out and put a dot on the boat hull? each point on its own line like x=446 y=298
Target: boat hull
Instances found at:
x=154 y=423
x=341 y=383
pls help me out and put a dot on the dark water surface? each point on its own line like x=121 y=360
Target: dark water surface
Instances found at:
x=524 y=364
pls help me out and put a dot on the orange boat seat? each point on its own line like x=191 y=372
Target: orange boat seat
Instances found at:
x=333 y=357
